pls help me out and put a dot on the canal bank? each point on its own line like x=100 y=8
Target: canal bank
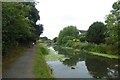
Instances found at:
x=41 y=69
x=103 y=55
x=96 y=53
x=78 y=64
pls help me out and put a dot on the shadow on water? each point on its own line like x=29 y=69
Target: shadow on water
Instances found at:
x=79 y=64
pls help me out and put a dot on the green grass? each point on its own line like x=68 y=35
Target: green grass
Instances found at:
x=41 y=69
x=104 y=55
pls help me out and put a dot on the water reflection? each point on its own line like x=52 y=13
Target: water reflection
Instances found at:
x=102 y=68
x=98 y=67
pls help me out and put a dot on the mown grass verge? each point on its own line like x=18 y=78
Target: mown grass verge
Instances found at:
x=103 y=55
x=13 y=55
x=41 y=69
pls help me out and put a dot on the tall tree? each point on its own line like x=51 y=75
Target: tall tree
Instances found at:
x=19 y=24
x=96 y=33
x=113 y=28
x=70 y=32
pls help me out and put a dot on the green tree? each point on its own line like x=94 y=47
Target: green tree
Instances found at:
x=19 y=24
x=82 y=37
x=96 y=33
x=70 y=32
x=113 y=28
x=55 y=39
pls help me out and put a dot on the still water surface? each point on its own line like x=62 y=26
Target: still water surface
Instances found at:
x=77 y=64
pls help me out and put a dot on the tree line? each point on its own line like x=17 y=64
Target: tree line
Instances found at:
x=101 y=37
x=19 y=24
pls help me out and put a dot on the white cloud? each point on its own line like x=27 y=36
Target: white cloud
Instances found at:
x=57 y=14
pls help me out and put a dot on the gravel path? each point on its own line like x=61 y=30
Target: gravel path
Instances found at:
x=22 y=68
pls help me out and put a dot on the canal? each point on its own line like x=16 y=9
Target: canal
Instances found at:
x=70 y=63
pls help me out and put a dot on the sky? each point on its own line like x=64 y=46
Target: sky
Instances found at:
x=57 y=14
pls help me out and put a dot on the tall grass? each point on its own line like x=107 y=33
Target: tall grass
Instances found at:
x=41 y=69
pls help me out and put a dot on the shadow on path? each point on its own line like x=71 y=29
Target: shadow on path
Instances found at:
x=22 y=68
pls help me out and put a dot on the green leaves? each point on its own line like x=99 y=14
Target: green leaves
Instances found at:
x=19 y=24
x=96 y=33
x=68 y=33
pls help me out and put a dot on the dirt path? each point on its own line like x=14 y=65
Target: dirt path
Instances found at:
x=22 y=68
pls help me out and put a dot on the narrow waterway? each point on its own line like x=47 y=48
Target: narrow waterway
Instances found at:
x=69 y=63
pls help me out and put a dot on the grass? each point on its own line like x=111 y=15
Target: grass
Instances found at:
x=104 y=55
x=41 y=69
x=13 y=55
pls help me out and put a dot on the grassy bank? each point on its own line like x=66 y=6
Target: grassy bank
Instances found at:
x=99 y=50
x=13 y=55
x=41 y=69
x=104 y=55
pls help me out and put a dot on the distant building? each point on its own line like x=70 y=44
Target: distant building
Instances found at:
x=83 y=31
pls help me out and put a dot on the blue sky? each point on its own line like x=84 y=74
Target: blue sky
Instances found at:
x=57 y=14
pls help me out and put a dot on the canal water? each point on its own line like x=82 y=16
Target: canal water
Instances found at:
x=78 y=64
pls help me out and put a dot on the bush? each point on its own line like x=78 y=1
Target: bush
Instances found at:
x=82 y=37
x=100 y=48
x=93 y=47
x=70 y=43
x=87 y=46
x=76 y=45
x=111 y=49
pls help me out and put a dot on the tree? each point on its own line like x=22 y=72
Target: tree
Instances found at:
x=82 y=37
x=113 y=28
x=55 y=39
x=96 y=33
x=19 y=24
x=70 y=32
x=39 y=29
x=44 y=38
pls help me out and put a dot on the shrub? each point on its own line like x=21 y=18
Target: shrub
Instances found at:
x=76 y=45
x=93 y=47
x=70 y=43
x=100 y=48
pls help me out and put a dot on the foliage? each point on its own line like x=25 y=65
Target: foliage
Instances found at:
x=69 y=43
x=113 y=29
x=82 y=37
x=43 y=49
x=66 y=39
x=39 y=29
x=44 y=38
x=76 y=45
x=96 y=33
x=68 y=33
x=19 y=24
x=55 y=39
x=101 y=48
